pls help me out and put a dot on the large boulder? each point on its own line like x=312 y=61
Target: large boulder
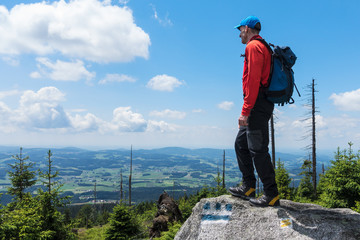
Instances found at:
x=228 y=218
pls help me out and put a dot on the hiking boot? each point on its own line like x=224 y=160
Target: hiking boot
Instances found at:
x=243 y=192
x=265 y=201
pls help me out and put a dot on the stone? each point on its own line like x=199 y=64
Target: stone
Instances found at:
x=168 y=212
x=227 y=218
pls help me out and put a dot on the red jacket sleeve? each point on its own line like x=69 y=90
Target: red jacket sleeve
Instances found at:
x=254 y=61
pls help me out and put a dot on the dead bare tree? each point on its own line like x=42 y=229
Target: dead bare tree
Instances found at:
x=95 y=194
x=130 y=176
x=121 y=186
x=313 y=136
x=223 y=178
x=311 y=120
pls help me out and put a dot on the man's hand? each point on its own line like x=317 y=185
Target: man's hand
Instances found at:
x=243 y=120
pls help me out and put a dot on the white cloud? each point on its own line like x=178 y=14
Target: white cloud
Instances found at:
x=124 y=2
x=46 y=94
x=347 y=101
x=106 y=2
x=78 y=110
x=11 y=60
x=87 y=123
x=226 y=105
x=163 y=21
x=35 y=75
x=167 y=113
x=164 y=83
x=116 y=78
x=88 y=29
x=7 y=120
x=125 y=120
x=5 y=113
x=198 y=110
x=161 y=126
x=62 y=71
x=5 y=94
x=41 y=109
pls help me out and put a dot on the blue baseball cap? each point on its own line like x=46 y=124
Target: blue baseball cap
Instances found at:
x=250 y=21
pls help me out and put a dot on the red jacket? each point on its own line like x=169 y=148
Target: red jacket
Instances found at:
x=256 y=69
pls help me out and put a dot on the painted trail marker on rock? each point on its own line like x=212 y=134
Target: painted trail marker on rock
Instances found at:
x=216 y=213
x=286 y=223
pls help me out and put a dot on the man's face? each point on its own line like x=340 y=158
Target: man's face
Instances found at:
x=244 y=34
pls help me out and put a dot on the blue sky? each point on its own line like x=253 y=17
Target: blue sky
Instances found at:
x=108 y=74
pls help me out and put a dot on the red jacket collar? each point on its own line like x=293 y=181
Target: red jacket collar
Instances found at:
x=254 y=37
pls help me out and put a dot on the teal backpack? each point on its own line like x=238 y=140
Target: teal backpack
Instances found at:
x=281 y=79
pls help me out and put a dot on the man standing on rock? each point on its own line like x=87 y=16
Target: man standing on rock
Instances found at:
x=252 y=141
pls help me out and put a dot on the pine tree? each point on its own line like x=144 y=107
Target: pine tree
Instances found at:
x=130 y=176
x=342 y=180
x=21 y=177
x=305 y=189
x=86 y=216
x=22 y=221
x=123 y=224
x=282 y=180
x=50 y=201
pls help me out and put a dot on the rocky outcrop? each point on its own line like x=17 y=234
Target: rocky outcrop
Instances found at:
x=168 y=211
x=229 y=218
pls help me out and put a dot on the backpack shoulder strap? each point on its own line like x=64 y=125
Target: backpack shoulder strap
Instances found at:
x=265 y=43
x=271 y=53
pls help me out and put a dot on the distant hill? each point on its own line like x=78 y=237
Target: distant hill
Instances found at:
x=174 y=169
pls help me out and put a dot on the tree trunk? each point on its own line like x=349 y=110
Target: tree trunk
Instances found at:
x=313 y=138
x=224 y=170
x=121 y=186
x=130 y=177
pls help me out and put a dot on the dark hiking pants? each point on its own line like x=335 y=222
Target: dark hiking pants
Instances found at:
x=251 y=147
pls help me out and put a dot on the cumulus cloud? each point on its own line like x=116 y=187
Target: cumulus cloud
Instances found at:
x=167 y=113
x=125 y=120
x=88 y=123
x=37 y=110
x=42 y=110
x=89 y=29
x=46 y=94
x=164 y=83
x=347 y=101
x=225 y=105
x=116 y=78
x=161 y=126
x=62 y=71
